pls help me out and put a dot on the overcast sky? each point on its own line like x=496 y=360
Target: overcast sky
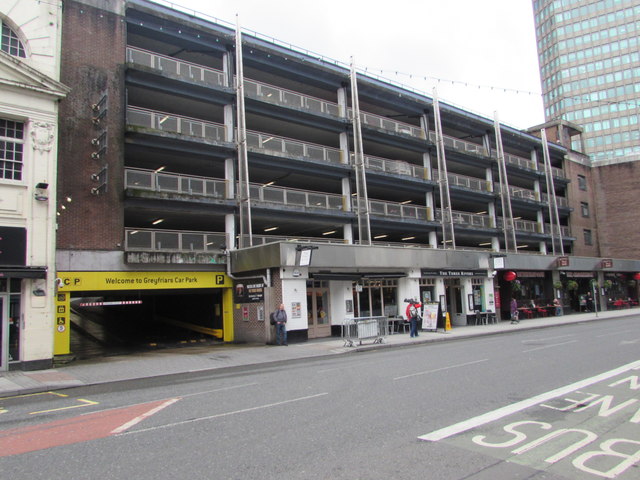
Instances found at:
x=477 y=48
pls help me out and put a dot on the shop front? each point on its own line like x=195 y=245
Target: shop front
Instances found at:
x=532 y=290
x=10 y=290
x=318 y=309
x=24 y=318
x=620 y=289
x=579 y=292
x=461 y=293
x=376 y=297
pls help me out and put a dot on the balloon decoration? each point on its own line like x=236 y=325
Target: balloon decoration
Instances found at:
x=510 y=276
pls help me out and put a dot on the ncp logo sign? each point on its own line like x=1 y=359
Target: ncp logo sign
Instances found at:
x=68 y=282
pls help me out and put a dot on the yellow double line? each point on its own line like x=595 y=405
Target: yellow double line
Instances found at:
x=83 y=402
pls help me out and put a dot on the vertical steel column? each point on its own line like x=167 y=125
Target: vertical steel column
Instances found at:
x=505 y=196
x=443 y=180
x=554 y=217
x=362 y=199
x=244 y=197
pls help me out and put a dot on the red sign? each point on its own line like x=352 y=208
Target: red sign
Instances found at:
x=562 y=261
x=607 y=263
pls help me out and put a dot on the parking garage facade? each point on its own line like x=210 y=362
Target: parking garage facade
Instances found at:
x=339 y=215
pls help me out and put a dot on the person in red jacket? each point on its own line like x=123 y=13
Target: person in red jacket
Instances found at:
x=413 y=315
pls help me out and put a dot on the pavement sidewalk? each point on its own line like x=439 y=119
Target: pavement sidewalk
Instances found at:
x=206 y=358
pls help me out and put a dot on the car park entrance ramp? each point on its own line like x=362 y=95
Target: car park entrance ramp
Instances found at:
x=364 y=328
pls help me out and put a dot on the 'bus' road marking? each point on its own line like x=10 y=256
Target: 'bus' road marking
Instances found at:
x=219 y=415
x=440 y=369
x=522 y=405
x=549 y=346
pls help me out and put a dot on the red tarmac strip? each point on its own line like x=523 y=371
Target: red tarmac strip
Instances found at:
x=73 y=430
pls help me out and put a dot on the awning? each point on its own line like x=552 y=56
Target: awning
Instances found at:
x=336 y=276
x=23 y=272
x=356 y=276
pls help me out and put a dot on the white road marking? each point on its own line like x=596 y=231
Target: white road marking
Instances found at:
x=522 y=405
x=616 y=332
x=440 y=369
x=139 y=418
x=538 y=340
x=226 y=414
x=549 y=346
x=223 y=389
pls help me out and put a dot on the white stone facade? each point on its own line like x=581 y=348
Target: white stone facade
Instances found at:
x=29 y=95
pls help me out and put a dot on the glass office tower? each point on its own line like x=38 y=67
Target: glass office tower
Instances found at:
x=590 y=72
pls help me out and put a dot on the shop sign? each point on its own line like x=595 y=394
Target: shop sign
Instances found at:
x=580 y=274
x=606 y=263
x=562 y=261
x=249 y=290
x=453 y=273
x=531 y=274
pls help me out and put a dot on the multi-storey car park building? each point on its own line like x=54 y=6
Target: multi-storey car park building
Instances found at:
x=590 y=74
x=214 y=178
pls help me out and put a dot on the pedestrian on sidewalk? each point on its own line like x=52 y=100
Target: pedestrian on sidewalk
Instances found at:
x=558 y=305
x=413 y=315
x=514 y=311
x=280 y=316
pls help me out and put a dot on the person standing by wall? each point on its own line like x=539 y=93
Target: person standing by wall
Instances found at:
x=280 y=316
x=413 y=315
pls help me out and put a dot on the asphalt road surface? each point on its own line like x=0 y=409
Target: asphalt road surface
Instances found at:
x=556 y=403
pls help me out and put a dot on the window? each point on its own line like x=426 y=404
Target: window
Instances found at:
x=588 y=240
x=584 y=207
x=11 y=143
x=11 y=43
x=582 y=182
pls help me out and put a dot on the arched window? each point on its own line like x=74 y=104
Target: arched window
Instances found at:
x=10 y=42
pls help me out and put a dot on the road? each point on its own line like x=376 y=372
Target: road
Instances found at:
x=558 y=403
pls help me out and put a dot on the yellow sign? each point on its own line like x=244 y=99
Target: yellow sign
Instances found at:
x=61 y=334
x=100 y=281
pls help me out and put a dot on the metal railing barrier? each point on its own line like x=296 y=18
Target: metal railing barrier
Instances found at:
x=364 y=328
